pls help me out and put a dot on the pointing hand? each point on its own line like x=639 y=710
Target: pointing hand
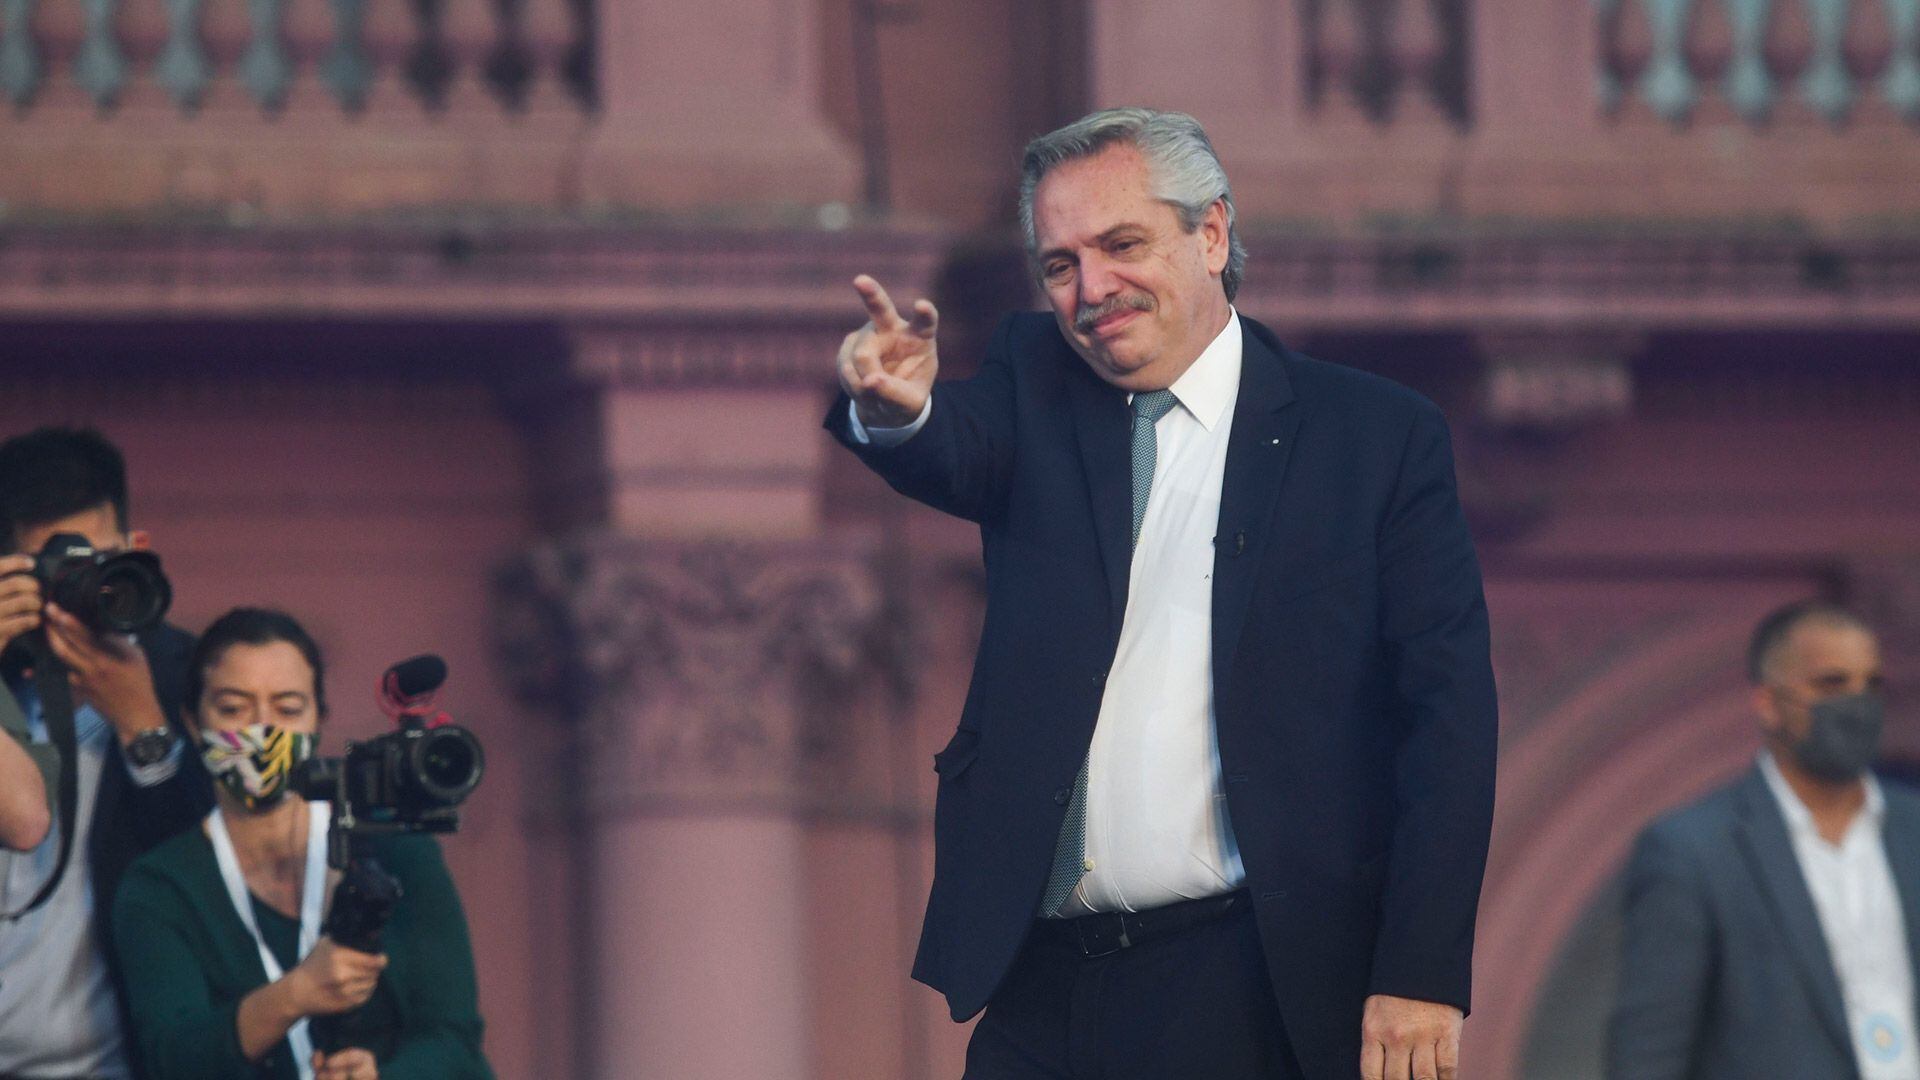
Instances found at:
x=887 y=366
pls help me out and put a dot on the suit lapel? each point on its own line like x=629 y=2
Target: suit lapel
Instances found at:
x=1763 y=839
x=1103 y=428
x=1902 y=841
x=1258 y=448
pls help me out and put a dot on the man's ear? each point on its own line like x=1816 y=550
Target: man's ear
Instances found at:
x=1218 y=236
x=1766 y=708
x=138 y=540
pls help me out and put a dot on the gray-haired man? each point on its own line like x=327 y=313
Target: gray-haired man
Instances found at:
x=1218 y=802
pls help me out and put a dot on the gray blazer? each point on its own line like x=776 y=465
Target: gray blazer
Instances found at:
x=1725 y=974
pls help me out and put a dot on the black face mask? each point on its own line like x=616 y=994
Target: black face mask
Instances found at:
x=1843 y=735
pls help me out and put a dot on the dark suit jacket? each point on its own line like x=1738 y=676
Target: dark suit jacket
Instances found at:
x=1353 y=696
x=129 y=820
x=1725 y=973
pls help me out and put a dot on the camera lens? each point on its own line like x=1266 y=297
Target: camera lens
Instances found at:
x=129 y=596
x=448 y=763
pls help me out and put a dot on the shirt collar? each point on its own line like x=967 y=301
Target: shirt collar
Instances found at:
x=1212 y=381
x=1799 y=818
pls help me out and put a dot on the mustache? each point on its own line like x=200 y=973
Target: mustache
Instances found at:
x=1085 y=318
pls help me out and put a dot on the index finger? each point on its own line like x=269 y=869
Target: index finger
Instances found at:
x=64 y=633
x=363 y=961
x=15 y=564
x=879 y=305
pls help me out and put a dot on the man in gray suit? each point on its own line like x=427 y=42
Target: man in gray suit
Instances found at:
x=1771 y=926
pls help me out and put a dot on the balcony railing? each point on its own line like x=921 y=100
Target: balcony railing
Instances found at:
x=1388 y=59
x=515 y=55
x=1756 y=59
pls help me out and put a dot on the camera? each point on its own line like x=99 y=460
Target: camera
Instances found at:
x=112 y=592
x=412 y=779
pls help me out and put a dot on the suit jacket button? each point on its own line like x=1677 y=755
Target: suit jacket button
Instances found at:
x=1063 y=796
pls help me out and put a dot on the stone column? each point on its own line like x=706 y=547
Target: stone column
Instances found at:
x=718 y=665
x=718 y=693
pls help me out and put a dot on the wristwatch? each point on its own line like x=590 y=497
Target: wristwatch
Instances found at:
x=150 y=747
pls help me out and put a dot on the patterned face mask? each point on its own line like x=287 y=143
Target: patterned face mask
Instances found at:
x=255 y=763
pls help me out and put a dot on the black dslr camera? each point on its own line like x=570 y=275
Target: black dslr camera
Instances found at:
x=409 y=780
x=112 y=592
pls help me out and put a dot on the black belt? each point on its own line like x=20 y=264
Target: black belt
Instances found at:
x=1103 y=933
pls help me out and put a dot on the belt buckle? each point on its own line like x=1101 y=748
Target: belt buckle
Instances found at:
x=1087 y=950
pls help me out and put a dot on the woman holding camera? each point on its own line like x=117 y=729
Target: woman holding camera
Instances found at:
x=218 y=929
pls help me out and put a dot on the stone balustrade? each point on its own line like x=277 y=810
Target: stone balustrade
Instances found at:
x=1392 y=60
x=504 y=54
x=252 y=111
x=1758 y=58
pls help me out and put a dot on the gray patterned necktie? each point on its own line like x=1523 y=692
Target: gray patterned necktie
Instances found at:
x=1070 y=851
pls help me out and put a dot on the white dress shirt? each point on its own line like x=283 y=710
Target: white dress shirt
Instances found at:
x=58 y=1013
x=1865 y=929
x=1157 y=828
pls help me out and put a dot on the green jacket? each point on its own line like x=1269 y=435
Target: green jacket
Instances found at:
x=188 y=962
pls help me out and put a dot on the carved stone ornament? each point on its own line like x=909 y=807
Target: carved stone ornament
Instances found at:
x=1550 y=381
x=709 y=669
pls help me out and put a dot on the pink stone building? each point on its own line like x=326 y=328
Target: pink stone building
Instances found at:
x=503 y=330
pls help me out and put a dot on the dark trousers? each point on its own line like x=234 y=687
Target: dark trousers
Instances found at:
x=1194 y=1003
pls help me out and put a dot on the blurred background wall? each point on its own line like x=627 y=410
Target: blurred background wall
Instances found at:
x=503 y=328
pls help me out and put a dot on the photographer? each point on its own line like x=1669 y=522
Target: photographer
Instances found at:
x=219 y=928
x=131 y=784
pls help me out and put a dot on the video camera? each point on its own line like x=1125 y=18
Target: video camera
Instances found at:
x=412 y=779
x=409 y=780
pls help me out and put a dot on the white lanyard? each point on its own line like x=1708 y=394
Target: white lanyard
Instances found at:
x=312 y=892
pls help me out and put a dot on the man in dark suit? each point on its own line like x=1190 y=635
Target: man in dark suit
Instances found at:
x=1770 y=927
x=1219 y=799
x=136 y=780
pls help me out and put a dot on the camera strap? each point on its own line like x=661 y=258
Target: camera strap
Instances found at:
x=56 y=712
x=312 y=895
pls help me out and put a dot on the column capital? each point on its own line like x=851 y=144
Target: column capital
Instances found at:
x=707 y=674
